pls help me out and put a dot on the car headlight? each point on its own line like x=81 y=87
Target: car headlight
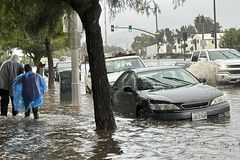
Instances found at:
x=219 y=67
x=219 y=99
x=223 y=67
x=163 y=107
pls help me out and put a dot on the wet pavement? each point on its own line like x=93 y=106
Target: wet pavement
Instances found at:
x=68 y=132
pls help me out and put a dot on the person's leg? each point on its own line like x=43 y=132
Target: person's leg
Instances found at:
x=27 y=110
x=35 y=112
x=4 y=102
x=27 y=113
x=14 y=112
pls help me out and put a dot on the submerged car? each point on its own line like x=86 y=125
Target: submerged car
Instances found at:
x=166 y=93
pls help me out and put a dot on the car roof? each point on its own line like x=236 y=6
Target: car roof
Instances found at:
x=139 y=70
x=123 y=57
x=64 y=62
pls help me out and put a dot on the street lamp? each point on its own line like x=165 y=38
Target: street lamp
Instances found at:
x=215 y=25
x=155 y=11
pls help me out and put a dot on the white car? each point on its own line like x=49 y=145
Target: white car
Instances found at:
x=224 y=62
x=115 y=67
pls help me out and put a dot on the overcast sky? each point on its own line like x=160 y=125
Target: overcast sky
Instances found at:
x=227 y=11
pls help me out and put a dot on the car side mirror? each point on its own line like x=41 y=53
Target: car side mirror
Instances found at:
x=195 y=59
x=203 y=80
x=128 y=89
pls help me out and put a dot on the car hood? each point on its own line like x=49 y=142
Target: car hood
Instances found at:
x=227 y=61
x=112 y=77
x=187 y=94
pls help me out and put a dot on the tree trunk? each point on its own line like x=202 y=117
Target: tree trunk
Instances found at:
x=50 y=64
x=100 y=86
x=37 y=63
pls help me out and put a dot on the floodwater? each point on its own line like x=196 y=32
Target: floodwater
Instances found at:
x=68 y=132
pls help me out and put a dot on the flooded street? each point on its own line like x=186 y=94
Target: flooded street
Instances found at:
x=67 y=132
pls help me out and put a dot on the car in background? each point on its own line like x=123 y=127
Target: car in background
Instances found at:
x=115 y=67
x=223 y=63
x=46 y=69
x=166 y=93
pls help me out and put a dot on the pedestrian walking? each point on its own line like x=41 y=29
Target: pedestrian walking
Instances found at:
x=8 y=71
x=28 y=90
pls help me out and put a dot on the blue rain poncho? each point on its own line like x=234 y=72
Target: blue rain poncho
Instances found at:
x=28 y=91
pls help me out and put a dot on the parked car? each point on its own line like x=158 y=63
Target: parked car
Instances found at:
x=224 y=62
x=115 y=67
x=166 y=93
x=63 y=66
x=46 y=69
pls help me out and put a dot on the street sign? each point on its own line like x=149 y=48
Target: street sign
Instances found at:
x=203 y=43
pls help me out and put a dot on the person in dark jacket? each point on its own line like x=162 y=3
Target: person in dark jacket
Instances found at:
x=8 y=71
x=28 y=90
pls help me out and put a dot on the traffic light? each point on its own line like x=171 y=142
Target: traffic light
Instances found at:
x=202 y=18
x=130 y=28
x=178 y=40
x=212 y=34
x=185 y=36
x=112 y=28
x=197 y=20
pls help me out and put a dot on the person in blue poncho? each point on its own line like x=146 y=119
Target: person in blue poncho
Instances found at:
x=28 y=90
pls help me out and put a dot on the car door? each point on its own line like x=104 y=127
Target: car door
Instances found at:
x=129 y=99
x=124 y=101
x=117 y=89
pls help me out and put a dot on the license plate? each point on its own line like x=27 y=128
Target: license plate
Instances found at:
x=199 y=115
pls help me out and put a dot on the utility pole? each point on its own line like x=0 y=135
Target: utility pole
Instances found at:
x=156 y=21
x=75 y=27
x=105 y=22
x=155 y=11
x=215 y=25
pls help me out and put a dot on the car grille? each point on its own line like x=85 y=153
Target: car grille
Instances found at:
x=195 y=105
x=231 y=71
x=233 y=66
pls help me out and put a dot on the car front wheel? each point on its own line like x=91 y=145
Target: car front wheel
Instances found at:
x=141 y=114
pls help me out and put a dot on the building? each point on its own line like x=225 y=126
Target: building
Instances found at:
x=196 y=43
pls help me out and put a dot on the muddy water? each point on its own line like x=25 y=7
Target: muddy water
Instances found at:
x=67 y=132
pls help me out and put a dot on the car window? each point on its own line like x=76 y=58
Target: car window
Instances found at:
x=123 y=64
x=130 y=81
x=203 y=54
x=122 y=80
x=224 y=54
x=64 y=65
x=195 y=56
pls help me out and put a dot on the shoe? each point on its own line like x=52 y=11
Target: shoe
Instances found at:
x=15 y=113
x=4 y=114
x=36 y=116
x=27 y=114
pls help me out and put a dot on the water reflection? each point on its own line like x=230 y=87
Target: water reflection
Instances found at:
x=105 y=147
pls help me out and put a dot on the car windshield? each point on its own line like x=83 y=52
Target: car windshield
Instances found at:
x=55 y=61
x=123 y=64
x=164 y=78
x=64 y=65
x=224 y=54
